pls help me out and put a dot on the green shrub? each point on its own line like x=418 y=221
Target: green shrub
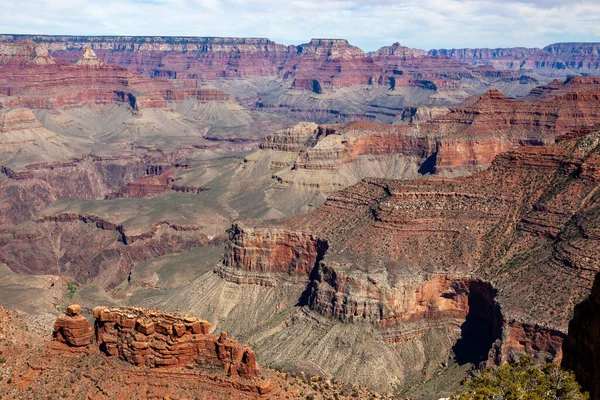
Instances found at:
x=522 y=380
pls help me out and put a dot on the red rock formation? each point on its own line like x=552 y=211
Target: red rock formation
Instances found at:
x=294 y=139
x=33 y=367
x=544 y=343
x=73 y=328
x=157 y=339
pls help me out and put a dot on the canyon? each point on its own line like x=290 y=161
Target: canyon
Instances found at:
x=386 y=221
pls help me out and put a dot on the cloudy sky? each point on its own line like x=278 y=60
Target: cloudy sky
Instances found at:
x=368 y=24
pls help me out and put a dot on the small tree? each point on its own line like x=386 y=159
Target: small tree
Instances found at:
x=522 y=380
x=71 y=289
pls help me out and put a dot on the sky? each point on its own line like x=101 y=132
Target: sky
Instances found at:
x=426 y=24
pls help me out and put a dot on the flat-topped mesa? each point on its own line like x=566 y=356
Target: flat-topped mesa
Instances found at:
x=259 y=255
x=73 y=328
x=89 y=58
x=293 y=139
x=331 y=48
x=156 y=339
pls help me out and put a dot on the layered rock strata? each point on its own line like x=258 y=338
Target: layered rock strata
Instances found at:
x=254 y=255
x=462 y=141
x=27 y=83
x=157 y=339
x=497 y=258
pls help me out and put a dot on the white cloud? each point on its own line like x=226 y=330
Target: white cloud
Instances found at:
x=368 y=24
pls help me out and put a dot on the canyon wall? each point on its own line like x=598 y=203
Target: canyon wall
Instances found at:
x=320 y=64
x=495 y=260
x=554 y=59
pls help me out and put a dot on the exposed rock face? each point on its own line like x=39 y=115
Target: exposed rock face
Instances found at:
x=555 y=59
x=17 y=120
x=73 y=328
x=474 y=222
x=254 y=255
x=25 y=53
x=544 y=343
x=157 y=339
x=582 y=347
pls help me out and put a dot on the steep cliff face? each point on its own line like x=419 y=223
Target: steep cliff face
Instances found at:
x=505 y=223
x=508 y=224
x=258 y=255
x=582 y=345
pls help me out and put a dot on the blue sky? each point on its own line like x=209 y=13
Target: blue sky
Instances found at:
x=367 y=24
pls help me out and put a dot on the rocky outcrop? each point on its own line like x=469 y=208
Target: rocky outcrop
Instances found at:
x=342 y=292
x=397 y=49
x=258 y=256
x=582 y=346
x=24 y=53
x=545 y=344
x=157 y=339
x=73 y=328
